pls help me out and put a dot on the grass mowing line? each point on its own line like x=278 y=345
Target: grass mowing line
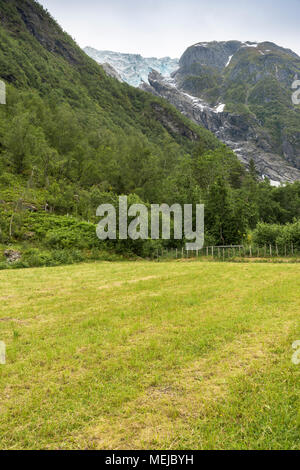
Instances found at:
x=157 y=419
x=130 y=281
x=260 y=410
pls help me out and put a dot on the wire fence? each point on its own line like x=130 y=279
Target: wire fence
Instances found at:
x=230 y=252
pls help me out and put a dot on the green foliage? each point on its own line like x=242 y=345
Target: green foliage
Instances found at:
x=282 y=235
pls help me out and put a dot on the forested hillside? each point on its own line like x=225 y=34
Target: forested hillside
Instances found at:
x=71 y=138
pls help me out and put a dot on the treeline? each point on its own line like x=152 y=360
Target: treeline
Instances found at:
x=57 y=158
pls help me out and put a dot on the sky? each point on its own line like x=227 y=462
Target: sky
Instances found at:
x=159 y=28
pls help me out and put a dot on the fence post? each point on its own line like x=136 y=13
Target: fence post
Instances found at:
x=250 y=251
x=277 y=252
x=292 y=249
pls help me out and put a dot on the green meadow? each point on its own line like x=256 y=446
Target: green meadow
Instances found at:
x=141 y=355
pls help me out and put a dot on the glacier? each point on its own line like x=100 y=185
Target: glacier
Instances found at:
x=133 y=68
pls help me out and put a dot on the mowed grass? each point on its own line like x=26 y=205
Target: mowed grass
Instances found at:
x=150 y=356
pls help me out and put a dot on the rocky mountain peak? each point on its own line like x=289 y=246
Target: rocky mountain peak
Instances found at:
x=212 y=54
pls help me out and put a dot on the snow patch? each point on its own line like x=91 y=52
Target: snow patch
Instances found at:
x=198 y=103
x=220 y=108
x=274 y=183
x=245 y=44
x=229 y=60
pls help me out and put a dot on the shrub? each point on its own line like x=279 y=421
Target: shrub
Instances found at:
x=271 y=234
x=267 y=234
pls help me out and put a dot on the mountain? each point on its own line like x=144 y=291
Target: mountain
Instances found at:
x=244 y=136
x=242 y=93
x=133 y=68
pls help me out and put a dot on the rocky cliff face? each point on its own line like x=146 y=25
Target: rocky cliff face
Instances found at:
x=242 y=93
x=214 y=54
x=111 y=72
x=245 y=136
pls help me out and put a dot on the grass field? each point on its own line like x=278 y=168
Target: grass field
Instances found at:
x=150 y=355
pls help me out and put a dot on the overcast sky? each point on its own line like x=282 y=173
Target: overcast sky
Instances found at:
x=167 y=27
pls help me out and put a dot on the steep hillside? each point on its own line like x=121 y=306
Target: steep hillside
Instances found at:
x=96 y=128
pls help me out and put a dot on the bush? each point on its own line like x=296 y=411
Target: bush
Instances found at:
x=267 y=234
x=290 y=235
x=282 y=235
x=60 y=232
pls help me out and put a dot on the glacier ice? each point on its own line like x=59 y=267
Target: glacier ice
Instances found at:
x=133 y=68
